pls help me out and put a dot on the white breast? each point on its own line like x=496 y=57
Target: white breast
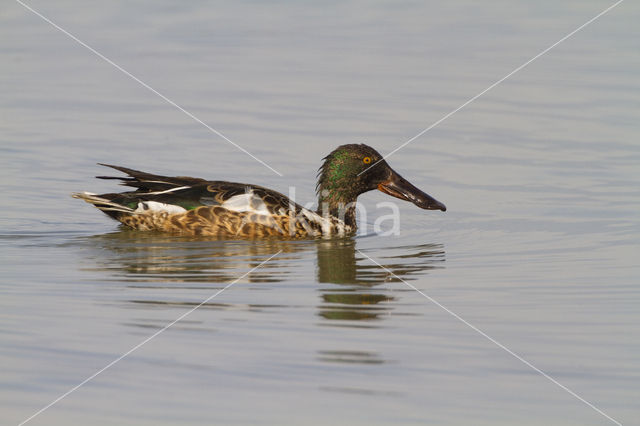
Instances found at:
x=328 y=225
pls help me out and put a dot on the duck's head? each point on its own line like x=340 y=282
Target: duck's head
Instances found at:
x=351 y=170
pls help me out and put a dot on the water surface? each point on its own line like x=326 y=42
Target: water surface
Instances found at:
x=538 y=248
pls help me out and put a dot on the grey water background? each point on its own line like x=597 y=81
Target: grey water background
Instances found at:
x=538 y=248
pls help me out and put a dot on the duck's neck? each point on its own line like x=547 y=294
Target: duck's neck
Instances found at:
x=337 y=204
x=338 y=188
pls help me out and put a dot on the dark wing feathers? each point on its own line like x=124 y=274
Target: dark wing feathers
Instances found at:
x=150 y=182
x=189 y=192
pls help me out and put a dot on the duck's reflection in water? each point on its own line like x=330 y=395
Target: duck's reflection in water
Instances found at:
x=356 y=296
x=148 y=257
x=352 y=291
x=172 y=272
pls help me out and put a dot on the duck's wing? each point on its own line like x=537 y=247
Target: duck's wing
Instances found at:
x=242 y=197
x=189 y=193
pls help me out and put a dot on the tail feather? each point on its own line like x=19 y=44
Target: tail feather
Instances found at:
x=109 y=207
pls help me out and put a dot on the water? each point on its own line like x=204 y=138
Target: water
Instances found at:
x=538 y=248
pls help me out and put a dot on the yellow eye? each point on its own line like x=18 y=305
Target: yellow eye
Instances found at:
x=366 y=160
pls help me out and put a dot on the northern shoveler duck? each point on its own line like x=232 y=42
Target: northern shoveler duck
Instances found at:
x=195 y=206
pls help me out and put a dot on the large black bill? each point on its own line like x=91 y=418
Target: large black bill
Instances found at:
x=399 y=187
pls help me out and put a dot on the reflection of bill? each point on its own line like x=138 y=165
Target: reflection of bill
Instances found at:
x=359 y=295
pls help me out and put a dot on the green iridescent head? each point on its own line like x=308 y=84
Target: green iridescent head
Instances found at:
x=338 y=179
x=353 y=169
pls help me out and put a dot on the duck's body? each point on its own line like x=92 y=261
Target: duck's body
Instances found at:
x=195 y=206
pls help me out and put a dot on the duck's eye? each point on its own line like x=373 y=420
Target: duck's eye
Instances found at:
x=366 y=160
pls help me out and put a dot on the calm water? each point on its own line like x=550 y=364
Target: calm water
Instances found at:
x=539 y=248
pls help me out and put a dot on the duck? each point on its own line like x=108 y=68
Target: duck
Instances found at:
x=221 y=209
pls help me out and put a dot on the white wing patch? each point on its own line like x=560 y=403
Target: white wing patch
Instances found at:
x=251 y=203
x=247 y=202
x=154 y=206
